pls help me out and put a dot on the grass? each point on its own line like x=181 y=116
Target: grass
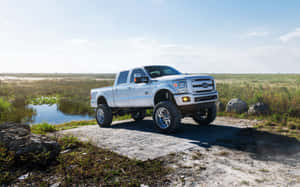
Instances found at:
x=5 y=107
x=44 y=128
x=85 y=164
x=44 y=100
x=74 y=124
x=245 y=183
x=290 y=128
x=276 y=123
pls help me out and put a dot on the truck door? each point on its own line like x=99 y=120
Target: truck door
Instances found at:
x=122 y=89
x=141 y=93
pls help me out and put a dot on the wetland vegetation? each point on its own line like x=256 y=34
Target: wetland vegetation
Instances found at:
x=71 y=94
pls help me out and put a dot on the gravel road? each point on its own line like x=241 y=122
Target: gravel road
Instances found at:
x=227 y=153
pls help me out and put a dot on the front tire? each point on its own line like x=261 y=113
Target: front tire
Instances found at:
x=138 y=115
x=104 y=116
x=166 y=117
x=205 y=116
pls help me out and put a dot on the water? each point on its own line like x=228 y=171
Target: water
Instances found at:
x=51 y=115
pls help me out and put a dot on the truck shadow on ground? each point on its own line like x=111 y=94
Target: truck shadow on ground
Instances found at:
x=261 y=145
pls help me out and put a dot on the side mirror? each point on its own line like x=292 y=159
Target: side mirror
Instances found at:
x=138 y=78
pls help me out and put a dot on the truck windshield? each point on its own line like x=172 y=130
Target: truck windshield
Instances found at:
x=159 y=71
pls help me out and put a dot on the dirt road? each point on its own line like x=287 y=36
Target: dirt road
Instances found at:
x=227 y=153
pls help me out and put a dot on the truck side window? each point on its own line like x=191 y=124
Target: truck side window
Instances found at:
x=123 y=77
x=136 y=71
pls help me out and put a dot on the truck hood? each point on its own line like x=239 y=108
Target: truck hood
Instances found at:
x=182 y=76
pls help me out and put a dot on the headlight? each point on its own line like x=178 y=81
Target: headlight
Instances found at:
x=180 y=86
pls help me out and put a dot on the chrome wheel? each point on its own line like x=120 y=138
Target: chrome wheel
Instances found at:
x=100 y=116
x=163 y=118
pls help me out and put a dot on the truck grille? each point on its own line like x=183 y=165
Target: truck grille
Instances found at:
x=202 y=85
x=206 y=98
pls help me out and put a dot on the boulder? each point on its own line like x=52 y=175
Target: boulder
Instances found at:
x=220 y=106
x=28 y=147
x=258 y=108
x=236 y=105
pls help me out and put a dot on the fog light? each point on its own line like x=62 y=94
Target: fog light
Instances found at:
x=186 y=99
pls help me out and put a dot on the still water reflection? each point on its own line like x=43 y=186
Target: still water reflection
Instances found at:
x=51 y=115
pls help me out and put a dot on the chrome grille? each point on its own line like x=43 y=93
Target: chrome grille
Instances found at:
x=202 y=85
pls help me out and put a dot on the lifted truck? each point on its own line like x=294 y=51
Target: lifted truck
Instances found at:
x=171 y=94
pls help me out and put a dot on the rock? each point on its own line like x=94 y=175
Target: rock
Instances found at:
x=55 y=184
x=23 y=176
x=236 y=105
x=258 y=108
x=220 y=106
x=28 y=148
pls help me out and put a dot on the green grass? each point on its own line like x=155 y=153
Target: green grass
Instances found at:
x=84 y=164
x=5 y=107
x=42 y=128
x=50 y=100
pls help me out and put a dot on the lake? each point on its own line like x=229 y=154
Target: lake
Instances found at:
x=51 y=115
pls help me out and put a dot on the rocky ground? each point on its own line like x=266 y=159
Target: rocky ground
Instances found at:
x=227 y=153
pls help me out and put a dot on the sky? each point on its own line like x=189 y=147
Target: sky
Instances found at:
x=100 y=36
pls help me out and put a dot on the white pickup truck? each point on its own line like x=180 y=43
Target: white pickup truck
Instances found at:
x=171 y=94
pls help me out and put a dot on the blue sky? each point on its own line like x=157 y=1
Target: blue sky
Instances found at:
x=228 y=36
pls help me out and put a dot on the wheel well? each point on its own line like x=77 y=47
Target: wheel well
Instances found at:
x=163 y=95
x=101 y=100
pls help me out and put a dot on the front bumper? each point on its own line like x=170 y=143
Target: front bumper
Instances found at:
x=196 y=98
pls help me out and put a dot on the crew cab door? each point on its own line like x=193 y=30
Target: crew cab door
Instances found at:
x=140 y=93
x=122 y=90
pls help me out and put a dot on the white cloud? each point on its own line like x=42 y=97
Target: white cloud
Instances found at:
x=290 y=36
x=257 y=34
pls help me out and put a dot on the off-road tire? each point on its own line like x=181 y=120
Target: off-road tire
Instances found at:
x=174 y=113
x=138 y=115
x=211 y=115
x=107 y=116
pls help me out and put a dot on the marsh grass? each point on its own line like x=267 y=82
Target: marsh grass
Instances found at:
x=44 y=100
x=281 y=92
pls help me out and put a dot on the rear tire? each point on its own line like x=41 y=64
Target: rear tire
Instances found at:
x=166 y=117
x=104 y=116
x=138 y=115
x=205 y=116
